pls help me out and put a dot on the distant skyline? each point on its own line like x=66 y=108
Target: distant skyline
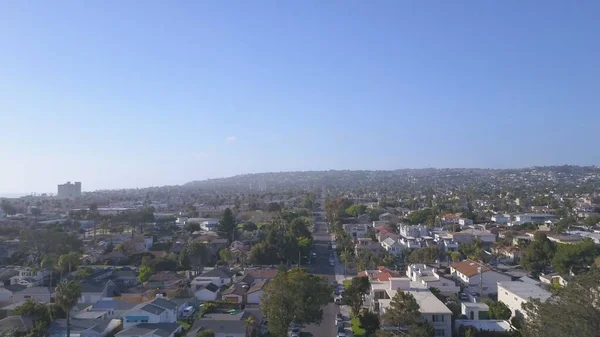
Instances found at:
x=137 y=94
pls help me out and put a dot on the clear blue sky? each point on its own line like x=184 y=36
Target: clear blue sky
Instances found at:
x=138 y=93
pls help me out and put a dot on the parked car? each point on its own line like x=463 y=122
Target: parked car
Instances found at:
x=341 y=332
x=295 y=332
x=337 y=301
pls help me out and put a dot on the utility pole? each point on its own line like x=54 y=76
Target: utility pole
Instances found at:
x=480 y=271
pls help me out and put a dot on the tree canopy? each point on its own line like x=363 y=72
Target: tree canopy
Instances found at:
x=574 y=257
x=573 y=311
x=403 y=311
x=304 y=304
x=424 y=255
x=356 y=210
x=227 y=226
x=353 y=294
x=538 y=255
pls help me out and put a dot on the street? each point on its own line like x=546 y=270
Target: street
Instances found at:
x=322 y=267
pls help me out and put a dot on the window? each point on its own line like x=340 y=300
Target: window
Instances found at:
x=439 y=332
x=438 y=318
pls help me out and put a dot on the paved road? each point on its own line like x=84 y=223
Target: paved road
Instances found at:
x=322 y=267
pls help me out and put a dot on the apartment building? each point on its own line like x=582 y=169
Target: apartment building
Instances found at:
x=431 y=308
x=356 y=230
x=534 y=217
x=412 y=231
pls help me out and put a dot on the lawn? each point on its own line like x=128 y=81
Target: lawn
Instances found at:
x=346 y=283
x=357 y=331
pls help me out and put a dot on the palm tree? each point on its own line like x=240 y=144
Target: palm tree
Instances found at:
x=67 y=295
x=48 y=262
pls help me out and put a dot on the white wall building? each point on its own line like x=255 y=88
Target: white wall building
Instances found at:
x=69 y=190
x=515 y=293
x=472 y=274
x=534 y=217
x=413 y=231
x=356 y=230
x=501 y=218
x=430 y=278
x=432 y=309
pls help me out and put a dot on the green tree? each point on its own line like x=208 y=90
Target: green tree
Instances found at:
x=184 y=260
x=205 y=333
x=49 y=262
x=198 y=253
x=421 y=329
x=573 y=311
x=273 y=207
x=145 y=273
x=191 y=227
x=574 y=257
x=227 y=227
x=403 y=311
x=538 y=255
x=304 y=304
x=67 y=295
x=7 y=207
x=356 y=210
x=225 y=255
x=67 y=262
x=498 y=310
x=369 y=321
x=424 y=255
x=592 y=220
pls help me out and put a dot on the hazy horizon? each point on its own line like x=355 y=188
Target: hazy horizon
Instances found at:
x=122 y=95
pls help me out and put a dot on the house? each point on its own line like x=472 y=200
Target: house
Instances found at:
x=516 y=293
x=484 y=325
x=472 y=274
x=475 y=310
x=183 y=303
x=413 y=231
x=5 y=275
x=431 y=278
x=551 y=278
x=114 y=309
x=382 y=273
x=238 y=245
x=207 y=292
x=115 y=258
x=5 y=295
x=451 y=218
x=20 y=324
x=255 y=292
x=256 y=275
x=389 y=217
x=534 y=217
x=448 y=245
x=92 y=292
x=229 y=324
x=151 y=330
x=164 y=279
x=363 y=244
x=508 y=254
x=392 y=246
x=125 y=276
x=356 y=230
x=236 y=293
x=218 y=276
x=431 y=308
x=84 y=327
x=465 y=222
x=158 y=310
x=38 y=294
x=500 y=218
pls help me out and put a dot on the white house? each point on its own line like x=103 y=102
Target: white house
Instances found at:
x=207 y=292
x=431 y=308
x=218 y=276
x=534 y=217
x=500 y=218
x=158 y=310
x=392 y=246
x=356 y=230
x=516 y=293
x=255 y=292
x=114 y=309
x=465 y=221
x=472 y=274
x=413 y=231
x=430 y=278
x=475 y=310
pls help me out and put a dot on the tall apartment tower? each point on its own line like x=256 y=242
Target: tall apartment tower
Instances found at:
x=69 y=190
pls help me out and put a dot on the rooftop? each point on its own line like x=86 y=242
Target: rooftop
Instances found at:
x=469 y=267
x=428 y=303
x=525 y=290
x=485 y=325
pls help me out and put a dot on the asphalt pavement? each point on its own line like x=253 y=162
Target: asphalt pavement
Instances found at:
x=321 y=267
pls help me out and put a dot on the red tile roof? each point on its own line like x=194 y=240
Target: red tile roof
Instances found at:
x=469 y=267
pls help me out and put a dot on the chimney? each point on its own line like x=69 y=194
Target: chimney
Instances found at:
x=399 y=283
